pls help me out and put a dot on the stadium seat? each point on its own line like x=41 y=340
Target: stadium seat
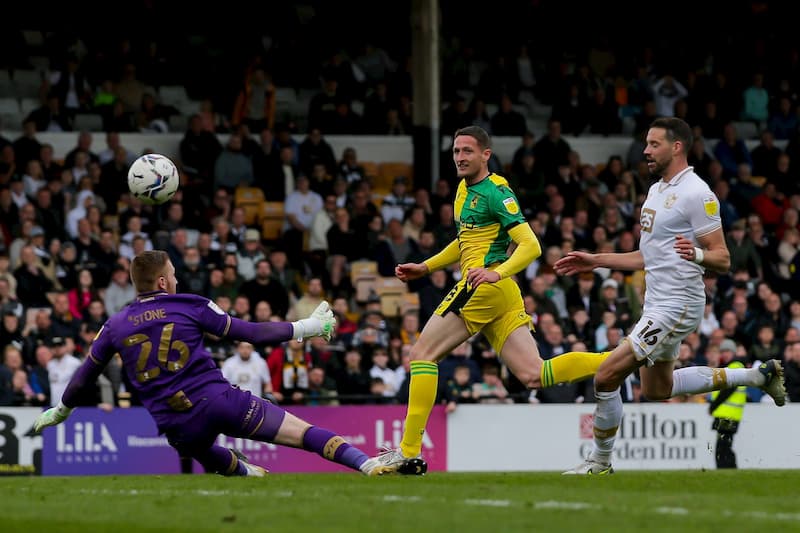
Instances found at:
x=252 y=213
x=392 y=292
x=248 y=195
x=178 y=123
x=88 y=122
x=40 y=63
x=28 y=104
x=285 y=95
x=363 y=268
x=746 y=129
x=172 y=95
x=364 y=289
x=272 y=210
x=271 y=229
x=9 y=105
x=251 y=199
x=363 y=277
x=28 y=83
x=389 y=170
x=410 y=302
x=7 y=88
x=272 y=215
x=370 y=169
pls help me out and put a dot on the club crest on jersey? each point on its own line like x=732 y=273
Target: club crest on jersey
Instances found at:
x=511 y=206
x=473 y=203
x=711 y=206
x=670 y=201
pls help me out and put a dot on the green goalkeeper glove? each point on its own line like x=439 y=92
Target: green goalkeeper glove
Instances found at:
x=51 y=417
x=321 y=323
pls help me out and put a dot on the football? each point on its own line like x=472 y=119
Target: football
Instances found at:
x=153 y=179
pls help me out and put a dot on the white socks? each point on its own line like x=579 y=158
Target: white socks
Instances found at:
x=607 y=418
x=699 y=379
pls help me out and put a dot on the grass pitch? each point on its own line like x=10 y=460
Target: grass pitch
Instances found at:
x=749 y=500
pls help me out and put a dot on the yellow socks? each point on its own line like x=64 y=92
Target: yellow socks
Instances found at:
x=421 y=397
x=571 y=367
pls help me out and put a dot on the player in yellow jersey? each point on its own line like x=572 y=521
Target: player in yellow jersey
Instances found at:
x=486 y=299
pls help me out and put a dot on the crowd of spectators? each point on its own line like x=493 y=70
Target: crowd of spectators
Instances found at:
x=68 y=230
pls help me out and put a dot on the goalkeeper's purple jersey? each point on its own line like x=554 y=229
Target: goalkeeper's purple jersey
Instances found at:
x=160 y=339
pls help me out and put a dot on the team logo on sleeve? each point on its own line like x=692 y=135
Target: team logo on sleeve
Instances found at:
x=647 y=220
x=511 y=206
x=711 y=206
x=214 y=307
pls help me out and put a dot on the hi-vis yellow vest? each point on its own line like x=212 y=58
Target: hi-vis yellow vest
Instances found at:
x=733 y=407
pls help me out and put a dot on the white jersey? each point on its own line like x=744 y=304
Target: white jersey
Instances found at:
x=683 y=206
x=250 y=375
x=59 y=372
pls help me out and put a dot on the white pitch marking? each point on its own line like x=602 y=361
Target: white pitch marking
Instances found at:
x=489 y=503
x=672 y=510
x=795 y=517
x=554 y=504
x=399 y=498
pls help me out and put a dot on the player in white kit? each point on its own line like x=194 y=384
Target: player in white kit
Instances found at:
x=681 y=236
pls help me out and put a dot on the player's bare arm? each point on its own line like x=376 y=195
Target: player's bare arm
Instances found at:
x=410 y=271
x=577 y=262
x=712 y=253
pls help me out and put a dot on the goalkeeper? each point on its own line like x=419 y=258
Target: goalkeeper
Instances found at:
x=160 y=339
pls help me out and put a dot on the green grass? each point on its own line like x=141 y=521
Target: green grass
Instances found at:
x=749 y=500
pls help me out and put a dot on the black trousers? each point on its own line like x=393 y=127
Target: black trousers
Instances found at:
x=726 y=429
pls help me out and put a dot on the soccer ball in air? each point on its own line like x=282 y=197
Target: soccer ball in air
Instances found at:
x=153 y=179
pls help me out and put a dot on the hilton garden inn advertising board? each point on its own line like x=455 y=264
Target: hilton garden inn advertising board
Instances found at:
x=652 y=436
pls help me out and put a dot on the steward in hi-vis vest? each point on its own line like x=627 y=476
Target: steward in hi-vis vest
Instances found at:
x=727 y=407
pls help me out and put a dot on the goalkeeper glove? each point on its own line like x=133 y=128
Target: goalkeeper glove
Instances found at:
x=321 y=323
x=51 y=417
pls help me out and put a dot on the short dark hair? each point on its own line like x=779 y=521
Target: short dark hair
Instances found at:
x=676 y=130
x=477 y=133
x=146 y=268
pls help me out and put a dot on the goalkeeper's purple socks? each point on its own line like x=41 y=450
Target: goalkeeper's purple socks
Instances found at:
x=219 y=460
x=333 y=447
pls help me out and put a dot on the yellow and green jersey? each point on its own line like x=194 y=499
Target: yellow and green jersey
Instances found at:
x=484 y=213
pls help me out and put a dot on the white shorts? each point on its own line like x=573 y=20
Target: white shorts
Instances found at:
x=657 y=336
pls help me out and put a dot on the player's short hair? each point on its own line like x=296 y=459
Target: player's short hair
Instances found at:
x=676 y=130
x=477 y=133
x=146 y=268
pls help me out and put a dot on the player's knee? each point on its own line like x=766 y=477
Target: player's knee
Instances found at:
x=605 y=380
x=419 y=353
x=530 y=378
x=656 y=393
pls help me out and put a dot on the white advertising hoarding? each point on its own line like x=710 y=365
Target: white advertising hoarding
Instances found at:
x=20 y=449
x=652 y=436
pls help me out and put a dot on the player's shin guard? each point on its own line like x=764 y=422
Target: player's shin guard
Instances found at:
x=421 y=397
x=571 y=367
x=607 y=418
x=333 y=447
